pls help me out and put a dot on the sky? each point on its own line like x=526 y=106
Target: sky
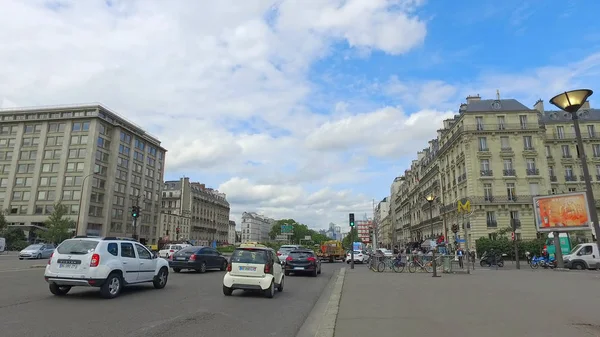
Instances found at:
x=303 y=109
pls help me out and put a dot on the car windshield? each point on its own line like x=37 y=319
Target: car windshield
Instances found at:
x=257 y=256
x=575 y=249
x=300 y=255
x=77 y=247
x=33 y=247
x=188 y=250
x=286 y=250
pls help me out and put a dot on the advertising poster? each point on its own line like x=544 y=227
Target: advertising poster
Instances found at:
x=562 y=212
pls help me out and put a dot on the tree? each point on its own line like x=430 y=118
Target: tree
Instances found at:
x=299 y=232
x=59 y=227
x=3 y=223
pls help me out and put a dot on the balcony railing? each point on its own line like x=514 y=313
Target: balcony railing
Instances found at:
x=570 y=177
x=502 y=127
x=567 y=156
x=533 y=172
x=571 y=136
x=484 y=149
x=492 y=223
x=487 y=173
x=553 y=178
x=489 y=199
x=509 y=172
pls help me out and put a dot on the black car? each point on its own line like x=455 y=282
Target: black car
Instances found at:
x=302 y=261
x=198 y=258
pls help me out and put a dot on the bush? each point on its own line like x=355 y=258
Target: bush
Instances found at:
x=505 y=246
x=226 y=249
x=17 y=245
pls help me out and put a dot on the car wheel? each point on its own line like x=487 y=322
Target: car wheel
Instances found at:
x=39 y=256
x=227 y=291
x=280 y=285
x=224 y=266
x=177 y=270
x=203 y=267
x=20 y=258
x=160 y=280
x=270 y=292
x=112 y=286
x=578 y=266
x=59 y=290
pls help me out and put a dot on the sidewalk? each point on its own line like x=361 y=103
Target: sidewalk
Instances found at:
x=486 y=303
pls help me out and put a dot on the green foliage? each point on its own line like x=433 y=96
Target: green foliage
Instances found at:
x=59 y=227
x=3 y=223
x=505 y=246
x=347 y=241
x=226 y=249
x=15 y=239
x=299 y=231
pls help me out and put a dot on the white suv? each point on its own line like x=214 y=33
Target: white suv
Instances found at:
x=108 y=263
x=254 y=268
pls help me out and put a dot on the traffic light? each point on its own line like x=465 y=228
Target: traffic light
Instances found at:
x=135 y=211
x=351 y=219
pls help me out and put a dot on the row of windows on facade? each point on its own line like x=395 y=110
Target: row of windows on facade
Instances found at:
x=78 y=127
x=501 y=125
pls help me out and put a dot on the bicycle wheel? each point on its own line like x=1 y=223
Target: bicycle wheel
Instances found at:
x=534 y=265
x=398 y=267
x=428 y=267
x=381 y=267
x=412 y=267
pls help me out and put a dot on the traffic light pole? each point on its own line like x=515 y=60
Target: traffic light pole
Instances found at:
x=136 y=214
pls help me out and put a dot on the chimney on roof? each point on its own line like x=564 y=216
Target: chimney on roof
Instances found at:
x=539 y=106
x=586 y=105
x=473 y=98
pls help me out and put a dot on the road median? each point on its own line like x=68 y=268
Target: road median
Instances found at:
x=38 y=266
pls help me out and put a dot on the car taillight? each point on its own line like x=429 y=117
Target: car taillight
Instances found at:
x=229 y=266
x=50 y=259
x=278 y=254
x=95 y=260
x=312 y=259
x=359 y=255
x=193 y=258
x=171 y=251
x=267 y=268
x=289 y=258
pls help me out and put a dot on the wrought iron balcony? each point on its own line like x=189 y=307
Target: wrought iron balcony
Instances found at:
x=487 y=173
x=492 y=223
x=509 y=173
x=570 y=177
x=553 y=178
x=533 y=172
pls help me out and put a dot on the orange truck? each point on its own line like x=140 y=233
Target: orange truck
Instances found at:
x=331 y=250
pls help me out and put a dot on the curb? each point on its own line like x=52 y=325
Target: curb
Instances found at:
x=38 y=266
x=327 y=325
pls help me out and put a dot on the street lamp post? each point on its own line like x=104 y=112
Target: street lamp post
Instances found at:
x=430 y=199
x=571 y=102
x=81 y=200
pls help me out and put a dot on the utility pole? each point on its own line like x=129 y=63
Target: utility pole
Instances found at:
x=351 y=221
x=514 y=224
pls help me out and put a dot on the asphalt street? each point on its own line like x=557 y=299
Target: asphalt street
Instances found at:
x=192 y=304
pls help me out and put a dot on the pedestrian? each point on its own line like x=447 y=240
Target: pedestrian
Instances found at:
x=460 y=254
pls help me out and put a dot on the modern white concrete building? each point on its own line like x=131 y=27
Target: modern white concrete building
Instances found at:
x=86 y=157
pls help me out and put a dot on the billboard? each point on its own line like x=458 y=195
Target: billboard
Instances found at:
x=562 y=212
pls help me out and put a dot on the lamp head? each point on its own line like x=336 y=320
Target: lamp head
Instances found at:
x=430 y=198
x=571 y=101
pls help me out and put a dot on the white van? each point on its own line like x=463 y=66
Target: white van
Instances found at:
x=583 y=256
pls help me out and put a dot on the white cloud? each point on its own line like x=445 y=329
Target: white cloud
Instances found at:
x=191 y=71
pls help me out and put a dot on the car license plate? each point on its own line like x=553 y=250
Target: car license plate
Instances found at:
x=243 y=268
x=67 y=266
x=298 y=268
x=180 y=258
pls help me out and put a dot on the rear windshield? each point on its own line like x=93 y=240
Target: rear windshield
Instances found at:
x=188 y=250
x=301 y=255
x=257 y=256
x=77 y=247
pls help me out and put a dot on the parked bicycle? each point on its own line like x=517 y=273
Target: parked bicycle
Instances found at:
x=396 y=264
x=416 y=264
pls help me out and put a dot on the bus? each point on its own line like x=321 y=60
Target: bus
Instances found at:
x=565 y=244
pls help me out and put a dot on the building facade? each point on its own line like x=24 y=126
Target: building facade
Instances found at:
x=231 y=236
x=363 y=230
x=256 y=227
x=334 y=232
x=497 y=154
x=382 y=222
x=396 y=210
x=174 y=227
x=207 y=209
x=86 y=157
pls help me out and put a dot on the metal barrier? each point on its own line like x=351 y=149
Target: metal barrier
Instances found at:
x=446 y=264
